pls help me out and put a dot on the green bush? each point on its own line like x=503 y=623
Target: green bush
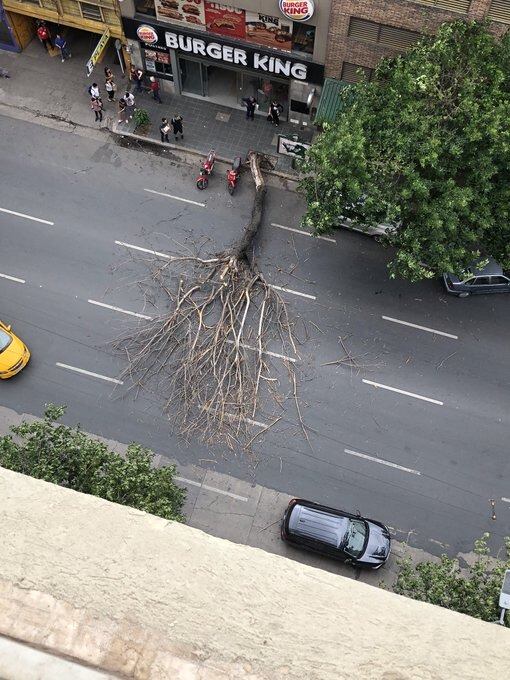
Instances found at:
x=141 y=117
x=68 y=457
x=473 y=591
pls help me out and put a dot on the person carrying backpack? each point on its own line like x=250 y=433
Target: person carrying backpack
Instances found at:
x=44 y=36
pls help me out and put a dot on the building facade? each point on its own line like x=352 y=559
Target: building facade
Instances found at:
x=362 y=32
x=18 y=18
x=269 y=49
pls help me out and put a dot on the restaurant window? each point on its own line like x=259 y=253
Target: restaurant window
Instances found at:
x=145 y=7
x=158 y=62
x=303 y=37
x=354 y=73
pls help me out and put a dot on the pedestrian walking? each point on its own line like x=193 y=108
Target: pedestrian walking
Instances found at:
x=155 y=89
x=130 y=104
x=136 y=76
x=97 y=106
x=94 y=90
x=108 y=86
x=164 y=129
x=251 y=105
x=62 y=45
x=44 y=36
x=122 y=111
x=274 y=113
x=177 y=126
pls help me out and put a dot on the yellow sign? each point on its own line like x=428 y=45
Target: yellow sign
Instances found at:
x=96 y=54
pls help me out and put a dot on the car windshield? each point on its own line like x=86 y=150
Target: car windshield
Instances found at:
x=5 y=340
x=355 y=537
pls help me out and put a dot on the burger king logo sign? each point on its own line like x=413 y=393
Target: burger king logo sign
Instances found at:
x=147 y=34
x=297 y=10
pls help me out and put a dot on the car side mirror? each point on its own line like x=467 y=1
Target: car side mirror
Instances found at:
x=8 y=327
x=358 y=513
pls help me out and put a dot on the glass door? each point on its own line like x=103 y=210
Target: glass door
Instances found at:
x=193 y=77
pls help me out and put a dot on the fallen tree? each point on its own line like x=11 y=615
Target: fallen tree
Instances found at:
x=209 y=356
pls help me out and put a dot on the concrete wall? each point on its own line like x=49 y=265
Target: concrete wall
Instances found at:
x=133 y=594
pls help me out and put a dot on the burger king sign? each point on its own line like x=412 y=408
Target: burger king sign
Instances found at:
x=147 y=34
x=297 y=10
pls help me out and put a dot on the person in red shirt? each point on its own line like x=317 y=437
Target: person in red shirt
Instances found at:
x=155 y=90
x=44 y=36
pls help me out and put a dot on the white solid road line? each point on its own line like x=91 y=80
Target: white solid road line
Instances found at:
x=421 y=328
x=265 y=351
x=176 y=198
x=144 y=250
x=92 y=375
x=211 y=488
x=12 y=278
x=303 y=232
x=292 y=292
x=27 y=217
x=381 y=461
x=119 y=309
x=506 y=500
x=407 y=394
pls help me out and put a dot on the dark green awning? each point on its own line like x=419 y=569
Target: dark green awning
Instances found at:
x=330 y=103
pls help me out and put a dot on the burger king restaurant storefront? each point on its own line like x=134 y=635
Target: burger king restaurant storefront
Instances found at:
x=193 y=59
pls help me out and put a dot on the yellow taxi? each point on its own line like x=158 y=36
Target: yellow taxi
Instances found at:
x=14 y=354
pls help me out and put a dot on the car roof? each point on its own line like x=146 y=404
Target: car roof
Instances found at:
x=492 y=268
x=321 y=525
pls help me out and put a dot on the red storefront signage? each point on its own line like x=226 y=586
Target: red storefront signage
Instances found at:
x=225 y=20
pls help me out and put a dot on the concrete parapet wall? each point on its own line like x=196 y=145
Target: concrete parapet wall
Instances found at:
x=141 y=597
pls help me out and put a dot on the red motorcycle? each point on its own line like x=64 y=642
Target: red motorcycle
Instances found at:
x=233 y=175
x=205 y=170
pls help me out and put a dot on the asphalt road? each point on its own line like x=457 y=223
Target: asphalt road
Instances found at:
x=425 y=456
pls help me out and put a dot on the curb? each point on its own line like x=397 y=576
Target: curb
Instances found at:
x=148 y=141
x=112 y=128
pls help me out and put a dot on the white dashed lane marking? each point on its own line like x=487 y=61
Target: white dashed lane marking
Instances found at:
x=303 y=232
x=89 y=373
x=26 y=217
x=175 y=198
x=12 y=278
x=421 y=328
x=404 y=392
x=144 y=250
x=284 y=289
x=381 y=461
x=119 y=309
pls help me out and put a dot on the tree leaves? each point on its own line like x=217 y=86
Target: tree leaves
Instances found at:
x=68 y=457
x=425 y=148
x=473 y=591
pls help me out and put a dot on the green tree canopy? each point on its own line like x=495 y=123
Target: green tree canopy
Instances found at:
x=425 y=148
x=69 y=457
x=473 y=591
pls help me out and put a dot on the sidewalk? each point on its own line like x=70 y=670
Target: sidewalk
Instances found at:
x=43 y=84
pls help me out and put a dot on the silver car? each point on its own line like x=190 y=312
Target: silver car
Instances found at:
x=488 y=279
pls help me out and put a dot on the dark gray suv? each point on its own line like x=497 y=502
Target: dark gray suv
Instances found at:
x=361 y=542
x=489 y=279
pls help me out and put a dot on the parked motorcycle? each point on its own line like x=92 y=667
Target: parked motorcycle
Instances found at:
x=233 y=175
x=205 y=170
